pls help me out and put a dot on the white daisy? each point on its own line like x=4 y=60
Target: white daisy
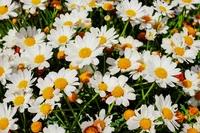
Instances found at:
x=162 y=70
x=19 y=63
x=64 y=79
x=53 y=129
x=102 y=124
x=107 y=5
x=71 y=4
x=189 y=4
x=195 y=100
x=196 y=69
x=150 y=34
x=60 y=36
x=32 y=5
x=163 y=8
x=9 y=39
x=190 y=128
x=4 y=69
x=6 y=118
x=144 y=120
x=84 y=50
x=120 y=91
x=167 y=111
x=160 y=24
x=7 y=9
x=126 y=64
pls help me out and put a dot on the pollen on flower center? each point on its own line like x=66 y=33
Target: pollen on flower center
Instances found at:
x=117 y=92
x=29 y=41
x=73 y=5
x=141 y=67
x=197 y=96
x=47 y=93
x=102 y=40
x=167 y=113
x=45 y=108
x=19 y=100
x=100 y=123
x=124 y=63
x=188 y=40
x=192 y=130
x=187 y=1
x=22 y=84
x=187 y=83
x=107 y=6
x=103 y=87
x=36 y=2
x=161 y=72
x=39 y=59
x=92 y=3
x=146 y=19
x=4 y=123
x=91 y=129
x=60 y=83
x=126 y=45
x=179 y=51
x=1 y=71
x=145 y=124
x=130 y=13
x=68 y=23
x=3 y=10
x=62 y=39
x=162 y=9
x=85 y=52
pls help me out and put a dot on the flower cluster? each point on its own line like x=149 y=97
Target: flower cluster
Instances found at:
x=126 y=65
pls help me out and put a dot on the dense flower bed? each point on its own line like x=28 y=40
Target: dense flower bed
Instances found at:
x=99 y=66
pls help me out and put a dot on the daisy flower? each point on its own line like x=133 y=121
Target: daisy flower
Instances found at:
x=102 y=123
x=19 y=63
x=71 y=4
x=189 y=4
x=107 y=5
x=93 y=3
x=32 y=5
x=107 y=36
x=4 y=69
x=130 y=10
x=47 y=91
x=125 y=64
x=100 y=82
x=20 y=81
x=82 y=15
x=160 y=24
x=38 y=56
x=75 y=97
x=163 y=8
x=84 y=50
x=60 y=37
x=64 y=79
x=9 y=39
x=53 y=129
x=144 y=120
x=190 y=83
x=150 y=34
x=195 y=100
x=7 y=9
x=196 y=69
x=27 y=38
x=162 y=70
x=167 y=111
x=190 y=128
x=20 y=100
x=42 y=109
x=6 y=118
x=120 y=91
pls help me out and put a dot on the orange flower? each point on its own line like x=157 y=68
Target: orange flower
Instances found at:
x=180 y=116
x=193 y=110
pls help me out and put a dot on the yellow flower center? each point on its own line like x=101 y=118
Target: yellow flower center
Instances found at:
x=167 y=113
x=47 y=93
x=99 y=123
x=29 y=41
x=4 y=123
x=179 y=51
x=157 y=25
x=92 y=3
x=85 y=77
x=61 y=55
x=192 y=130
x=102 y=40
x=124 y=63
x=62 y=39
x=36 y=2
x=60 y=83
x=162 y=9
x=21 y=66
x=85 y=52
x=39 y=59
x=1 y=71
x=45 y=108
x=3 y=10
x=36 y=126
x=187 y=83
x=19 y=100
x=197 y=96
x=117 y=92
x=91 y=129
x=107 y=6
x=161 y=72
x=103 y=87
x=130 y=13
x=172 y=43
x=145 y=124
x=188 y=40
x=73 y=5
x=68 y=23
x=142 y=67
x=146 y=19
x=128 y=114
x=126 y=45
x=22 y=84
x=198 y=75
x=187 y=1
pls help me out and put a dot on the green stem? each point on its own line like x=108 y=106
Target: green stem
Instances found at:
x=24 y=118
x=60 y=120
x=110 y=108
x=65 y=116
x=141 y=85
x=125 y=27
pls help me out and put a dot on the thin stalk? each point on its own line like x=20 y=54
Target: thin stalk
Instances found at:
x=125 y=27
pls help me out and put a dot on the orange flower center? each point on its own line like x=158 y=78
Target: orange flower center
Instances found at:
x=187 y=83
x=3 y=10
x=39 y=59
x=161 y=72
x=4 y=123
x=146 y=19
x=47 y=93
x=99 y=123
x=62 y=39
x=91 y=129
x=1 y=71
x=126 y=45
x=19 y=100
x=117 y=92
x=192 y=130
x=85 y=77
x=107 y=6
x=36 y=2
x=142 y=67
x=102 y=40
x=29 y=41
x=130 y=13
x=145 y=123
x=68 y=23
x=85 y=52
x=102 y=87
x=128 y=114
x=167 y=113
x=22 y=84
x=179 y=51
x=45 y=108
x=36 y=127
x=124 y=63
x=187 y=1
